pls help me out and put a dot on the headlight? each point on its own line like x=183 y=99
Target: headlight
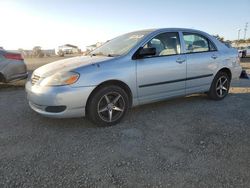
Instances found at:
x=60 y=79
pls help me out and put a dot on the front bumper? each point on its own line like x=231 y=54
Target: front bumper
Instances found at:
x=74 y=98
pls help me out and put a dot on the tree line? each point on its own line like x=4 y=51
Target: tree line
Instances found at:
x=222 y=39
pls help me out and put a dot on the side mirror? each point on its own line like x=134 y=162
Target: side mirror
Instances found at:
x=143 y=52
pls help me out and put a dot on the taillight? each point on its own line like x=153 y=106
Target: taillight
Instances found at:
x=13 y=56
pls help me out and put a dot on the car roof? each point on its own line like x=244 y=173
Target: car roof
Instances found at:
x=171 y=29
x=159 y=30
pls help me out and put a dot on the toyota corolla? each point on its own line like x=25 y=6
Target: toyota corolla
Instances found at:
x=133 y=69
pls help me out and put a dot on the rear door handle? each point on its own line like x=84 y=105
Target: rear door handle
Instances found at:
x=180 y=60
x=214 y=56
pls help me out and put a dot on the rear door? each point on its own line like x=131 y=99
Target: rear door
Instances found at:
x=163 y=74
x=202 y=57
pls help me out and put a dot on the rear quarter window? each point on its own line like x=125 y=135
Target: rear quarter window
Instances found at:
x=195 y=43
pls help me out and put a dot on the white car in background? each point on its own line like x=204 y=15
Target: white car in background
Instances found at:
x=240 y=51
x=244 y=51
x=247 y=51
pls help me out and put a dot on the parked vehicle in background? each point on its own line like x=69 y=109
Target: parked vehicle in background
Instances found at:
x=247 y=51
x=12 y=66
x=133 y=69
x=241 y=51
x=244 y=51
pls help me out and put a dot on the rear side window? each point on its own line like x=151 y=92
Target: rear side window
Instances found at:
x=195 y=43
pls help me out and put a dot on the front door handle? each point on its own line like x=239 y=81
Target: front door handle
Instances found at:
x=214 y=56
x=180 y=60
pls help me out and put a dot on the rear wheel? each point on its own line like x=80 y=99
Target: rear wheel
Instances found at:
x=220 y=86
x=108 y=105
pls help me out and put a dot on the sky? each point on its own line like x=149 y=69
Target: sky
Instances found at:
x=50 y=23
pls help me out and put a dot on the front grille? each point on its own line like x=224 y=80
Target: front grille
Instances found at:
x=35 y=79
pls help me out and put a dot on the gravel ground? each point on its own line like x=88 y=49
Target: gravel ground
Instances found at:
x=184 y=142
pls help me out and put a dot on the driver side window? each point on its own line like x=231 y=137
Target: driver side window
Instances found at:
x=165 y=44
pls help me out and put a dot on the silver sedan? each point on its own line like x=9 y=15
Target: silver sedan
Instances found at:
x=133 y=69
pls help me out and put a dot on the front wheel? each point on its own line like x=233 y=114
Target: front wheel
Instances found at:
x=220 y=86
x=108 y=105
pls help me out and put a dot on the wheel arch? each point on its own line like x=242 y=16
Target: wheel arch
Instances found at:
x=119 y=83
x=227 y=71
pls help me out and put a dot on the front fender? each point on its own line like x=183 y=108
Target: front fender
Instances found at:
x=95 y=74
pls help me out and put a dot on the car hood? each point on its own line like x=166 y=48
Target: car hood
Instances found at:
x=68 y=64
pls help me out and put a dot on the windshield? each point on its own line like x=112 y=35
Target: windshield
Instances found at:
x=119 y=45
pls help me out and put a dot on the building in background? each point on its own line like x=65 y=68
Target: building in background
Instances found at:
x=67 y=49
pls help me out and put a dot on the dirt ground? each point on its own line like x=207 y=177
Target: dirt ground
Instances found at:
x=34 y=63
x=184 y=142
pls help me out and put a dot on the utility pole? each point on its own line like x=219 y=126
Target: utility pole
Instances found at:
x=245 y=31
x=239 y=34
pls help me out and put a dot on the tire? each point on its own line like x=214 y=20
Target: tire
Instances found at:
x=220 y=86
x=243 y=54
x=2 y=78
x=108 y=105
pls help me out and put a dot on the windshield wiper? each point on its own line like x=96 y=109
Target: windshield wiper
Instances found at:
x=97 y=54
x=102 y=54
x=112 y=55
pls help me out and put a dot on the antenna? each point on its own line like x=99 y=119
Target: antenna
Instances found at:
x=245 y=31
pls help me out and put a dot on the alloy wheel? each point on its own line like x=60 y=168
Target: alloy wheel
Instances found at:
x=111 y=107
x=222 y=86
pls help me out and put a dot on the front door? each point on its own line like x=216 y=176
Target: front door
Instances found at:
x=162 y=75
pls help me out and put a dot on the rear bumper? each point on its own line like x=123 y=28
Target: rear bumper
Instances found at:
x=18 y=77
x=73 y=98
x=15 y=70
